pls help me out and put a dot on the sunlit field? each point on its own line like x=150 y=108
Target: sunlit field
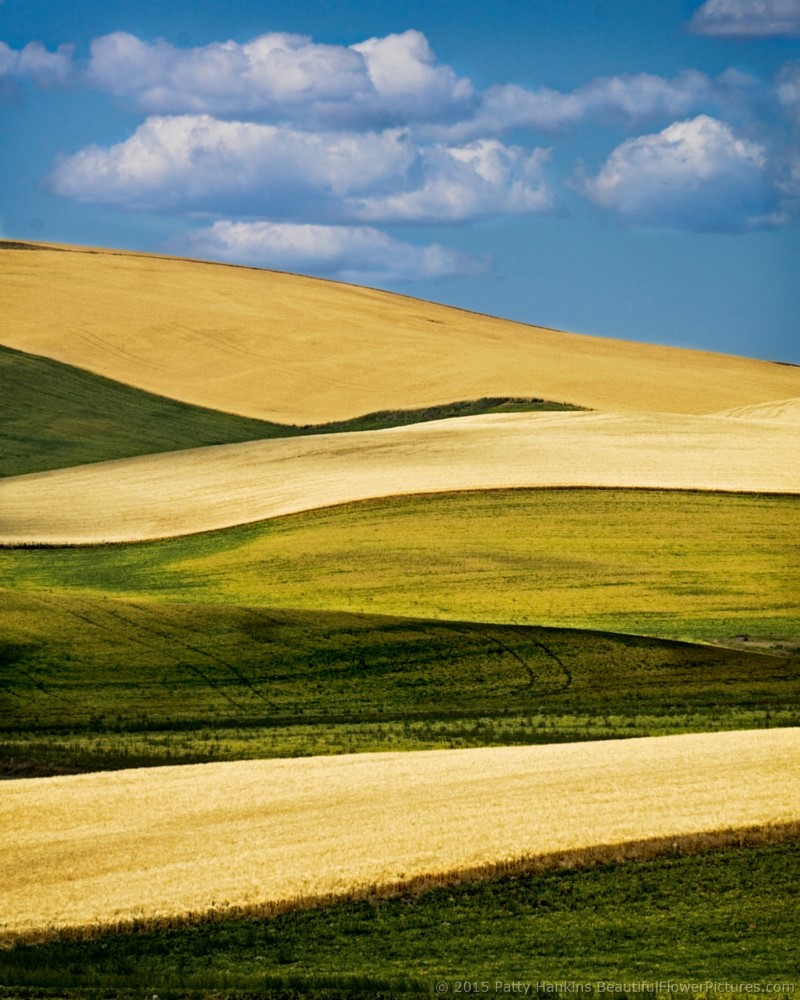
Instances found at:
x=670 y=564
x=338 y=658
x=161 y=841
x=203 y=489
x=299 y=350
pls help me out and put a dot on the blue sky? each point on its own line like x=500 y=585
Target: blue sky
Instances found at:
x=623 y=168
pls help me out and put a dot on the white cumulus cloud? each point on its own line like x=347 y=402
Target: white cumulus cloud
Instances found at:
x=628 y=97
x=462 y=182
x=279 y=76
x=359 y=254
x=695 y=174
x=37 y=64
x=201 y=164
x=377 y=83
x=747 y=18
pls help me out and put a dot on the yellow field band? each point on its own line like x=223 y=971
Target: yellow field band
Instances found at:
x=104 y=847
x=202 y=489
x=300 y=350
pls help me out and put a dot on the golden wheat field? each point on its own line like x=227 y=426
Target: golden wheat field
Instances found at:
x=113 y=846
x=207 y=488
x=302 y=350
x=785 y=410
x=98 y=848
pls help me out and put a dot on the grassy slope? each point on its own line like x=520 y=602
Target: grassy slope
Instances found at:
x=93 y=684
x=299 y=350
x=709 y=917
x=55 y=415
x=731 y=924
x=671 y=564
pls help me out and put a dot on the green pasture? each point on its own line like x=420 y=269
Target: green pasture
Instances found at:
x=712 y=918
x=90 y=683
x=55 y=415
x=700 y=566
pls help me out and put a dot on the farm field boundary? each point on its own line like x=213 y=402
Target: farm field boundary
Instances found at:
x=55 y=416
x=203 y=489
x=300 y=350
x=274 y=831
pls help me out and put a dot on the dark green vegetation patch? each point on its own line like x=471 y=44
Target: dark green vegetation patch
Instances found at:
x=95 y=683
x=717 y=918
x=55 y=415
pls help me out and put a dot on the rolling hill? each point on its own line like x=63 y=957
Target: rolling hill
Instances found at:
x=204 y=489
x=298 y=350
x=56 y=415
x=171 y=841
x=252 y=515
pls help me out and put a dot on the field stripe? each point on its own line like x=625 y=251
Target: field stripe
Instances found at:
x=786 y=411
x=105 y=847
x=300 y=350
x=204 y=489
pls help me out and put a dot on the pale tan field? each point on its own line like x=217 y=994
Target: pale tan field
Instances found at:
x=207 y=488
x=301 y=350
x=108 y=846
x=786 y=411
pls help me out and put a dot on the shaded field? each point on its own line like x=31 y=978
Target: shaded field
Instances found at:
x=94 y=683
x=299 y=350
x=712 y=916
x=168 y=842
x=669 y=564
x=55 y=415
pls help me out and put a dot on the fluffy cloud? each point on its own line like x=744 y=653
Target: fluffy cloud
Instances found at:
x=695 y=174
x=36 y=64
x=359 y=254
x=378 y=82
x=462 y=182
x=198 y=163
x=747 y=18
x=632 y=98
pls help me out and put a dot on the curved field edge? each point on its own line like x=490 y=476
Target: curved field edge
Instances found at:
x=681 y=565
x=56 y=415
x=202 y=489
x=713 y=919
x=91 y=684
x=169 y=841
x=625 y=853
x=300 y=350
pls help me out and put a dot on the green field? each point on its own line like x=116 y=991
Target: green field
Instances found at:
x=440 y=621
x=723 y=916
x=55 y=415
x=94 y=683
x=676 y=564
x=345 y=630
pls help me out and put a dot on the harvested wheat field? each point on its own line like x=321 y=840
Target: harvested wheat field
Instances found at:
x=787 y=411
x=301 y=350
x=209 y=488
x=114 y=846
